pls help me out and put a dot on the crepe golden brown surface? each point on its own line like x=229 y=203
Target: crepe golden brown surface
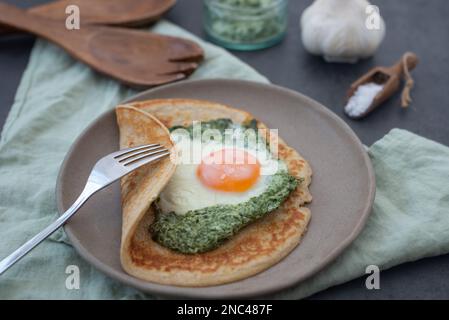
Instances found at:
x=255 y=248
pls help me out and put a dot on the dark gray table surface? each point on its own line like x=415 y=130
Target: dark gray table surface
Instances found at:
x=421 y=26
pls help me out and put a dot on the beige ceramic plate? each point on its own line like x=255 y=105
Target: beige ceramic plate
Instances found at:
x=343 y=185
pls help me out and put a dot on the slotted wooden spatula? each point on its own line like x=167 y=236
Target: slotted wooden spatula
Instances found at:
x=137 y=58
x=106 y=12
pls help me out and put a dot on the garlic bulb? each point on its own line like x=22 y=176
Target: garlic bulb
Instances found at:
x=342 y=30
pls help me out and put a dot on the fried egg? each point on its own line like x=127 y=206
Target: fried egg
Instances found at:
x=209 y=173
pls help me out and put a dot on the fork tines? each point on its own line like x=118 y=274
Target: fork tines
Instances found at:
x=141 y=154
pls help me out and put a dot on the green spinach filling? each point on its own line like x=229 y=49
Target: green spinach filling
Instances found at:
x=205 y=229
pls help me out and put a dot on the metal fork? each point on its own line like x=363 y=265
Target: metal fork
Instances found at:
x=107 y=170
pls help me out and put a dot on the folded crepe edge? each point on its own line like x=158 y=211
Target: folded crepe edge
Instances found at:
x=141 y=187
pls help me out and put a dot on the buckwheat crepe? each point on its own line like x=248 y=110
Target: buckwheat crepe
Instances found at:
x=255 y=248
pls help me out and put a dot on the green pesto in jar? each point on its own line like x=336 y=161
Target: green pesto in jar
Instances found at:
x=205 y=229
x=245 y=21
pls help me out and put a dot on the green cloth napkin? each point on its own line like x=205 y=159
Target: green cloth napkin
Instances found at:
x=58 y=97
x=410 y=217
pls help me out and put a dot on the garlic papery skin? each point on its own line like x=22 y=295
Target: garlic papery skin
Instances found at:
x=338 y=30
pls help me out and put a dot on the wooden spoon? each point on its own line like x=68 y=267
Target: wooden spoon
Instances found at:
x=137 y=58
x=389 y=77
x=107 y=12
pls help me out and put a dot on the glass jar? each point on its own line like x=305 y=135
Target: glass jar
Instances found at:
x=245 y=24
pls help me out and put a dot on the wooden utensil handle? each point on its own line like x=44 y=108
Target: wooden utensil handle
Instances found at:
x=52 y=30
x=19 y=19
x=5 y=29
x=15 y=17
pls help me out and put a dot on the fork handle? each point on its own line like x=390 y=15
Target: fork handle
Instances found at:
x=6 y=263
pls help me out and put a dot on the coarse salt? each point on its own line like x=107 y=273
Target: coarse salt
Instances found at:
x=362 y=98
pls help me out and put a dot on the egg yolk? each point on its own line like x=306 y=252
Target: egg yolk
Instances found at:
x=230 y=170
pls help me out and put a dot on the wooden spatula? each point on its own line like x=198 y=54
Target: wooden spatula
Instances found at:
x=137 y=58
x=107 y=12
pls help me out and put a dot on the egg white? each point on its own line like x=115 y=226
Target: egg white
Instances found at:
x=185 y=192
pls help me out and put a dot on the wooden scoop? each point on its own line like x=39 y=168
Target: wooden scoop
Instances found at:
x=107 y=12
x=137 y=58
x=390 y=78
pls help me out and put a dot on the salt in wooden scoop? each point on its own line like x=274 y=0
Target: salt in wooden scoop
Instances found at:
x=382 y=82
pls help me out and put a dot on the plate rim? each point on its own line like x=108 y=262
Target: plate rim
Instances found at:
x=195 y=292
